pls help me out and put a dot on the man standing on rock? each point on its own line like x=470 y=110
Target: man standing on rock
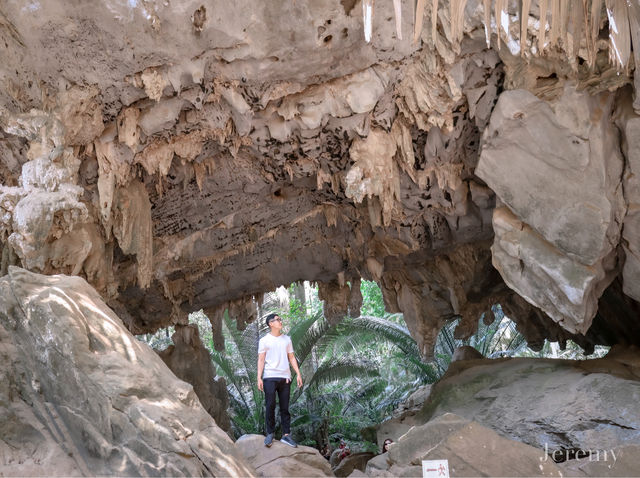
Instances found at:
x=275 y=353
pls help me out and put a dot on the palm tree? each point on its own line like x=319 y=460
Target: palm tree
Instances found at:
x=238 y=364
x=345 y=386
x=344 y=382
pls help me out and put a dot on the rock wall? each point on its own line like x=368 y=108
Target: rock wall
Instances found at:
x=190 y=361
x=187 y=157
x=81 y=396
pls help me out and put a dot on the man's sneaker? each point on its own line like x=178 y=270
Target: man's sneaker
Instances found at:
x=268 y=441
x=289 y=441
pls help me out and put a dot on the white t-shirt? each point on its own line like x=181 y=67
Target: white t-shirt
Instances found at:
x=276 y=364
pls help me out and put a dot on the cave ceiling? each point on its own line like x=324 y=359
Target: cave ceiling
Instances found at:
x=195 y=155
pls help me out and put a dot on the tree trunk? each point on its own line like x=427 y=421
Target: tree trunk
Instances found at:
x=298 y=293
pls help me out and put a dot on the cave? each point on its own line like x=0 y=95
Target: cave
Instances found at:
x=187 y=156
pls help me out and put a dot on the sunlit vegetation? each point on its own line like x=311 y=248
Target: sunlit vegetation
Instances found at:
x=355 y=373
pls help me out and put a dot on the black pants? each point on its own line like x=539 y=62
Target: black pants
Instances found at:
x=271 y=386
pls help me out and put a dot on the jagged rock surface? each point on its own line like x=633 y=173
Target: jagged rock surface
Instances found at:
x=81 y=396
x=186 y=156
x=557 y=167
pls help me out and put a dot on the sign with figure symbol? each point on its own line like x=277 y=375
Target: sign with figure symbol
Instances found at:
x=435 y=468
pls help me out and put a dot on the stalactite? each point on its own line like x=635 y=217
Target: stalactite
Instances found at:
x=577 y=19
x=417 y=26
x=499 y=10
x=524 y=22
x=457 y=19
x=555 y=22
x=434 y=20
x=564 y=19
x=619 y=34
x=596 y=9
x=487 y=21
x=397 y=8
x=542 y=30
x=367 y=18
x=587 y=30
x=634 y=24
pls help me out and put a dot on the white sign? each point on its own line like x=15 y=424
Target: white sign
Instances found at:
x=435 y=468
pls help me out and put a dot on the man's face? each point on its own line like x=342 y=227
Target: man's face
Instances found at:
x=276 y=323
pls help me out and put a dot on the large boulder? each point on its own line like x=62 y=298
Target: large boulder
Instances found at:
x=547 y=403
x=357 y=461
x=80 y=395
x=557 y=167
x=404 y=416
x=281 y=460
x=470 y=448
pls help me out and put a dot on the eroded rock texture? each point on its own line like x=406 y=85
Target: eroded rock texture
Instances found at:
x=471 y=450
x=557 y=404
x=557 y=167
x=190 y=361
x=193 y=156
x=80 y=396
x=281 y=460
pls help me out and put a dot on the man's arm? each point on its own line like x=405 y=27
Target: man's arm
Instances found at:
x=261 y=358
x=294 y=364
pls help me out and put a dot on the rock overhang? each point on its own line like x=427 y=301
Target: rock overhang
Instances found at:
x=187 y=157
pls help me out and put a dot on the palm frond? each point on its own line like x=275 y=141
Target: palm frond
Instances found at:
x=306 y=334
x=370 y=389
x=239 y=381
x=342 y=369
x=426 y=372
x=394 y=333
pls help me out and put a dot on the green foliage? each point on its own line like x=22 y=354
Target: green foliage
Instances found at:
x=355 y=373
x=238 y=364
x=372 y=301
x=498 y=339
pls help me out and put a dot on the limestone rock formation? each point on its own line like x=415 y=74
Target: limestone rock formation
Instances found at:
x=621 y=461
x=404 y=416
x=190 y=361
x=186 y=156
x=81 y=396
x=470 y=448
x=629 y=124
x=351 y=463
x=568 y=404
x=281 y=460
x=557 y=167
